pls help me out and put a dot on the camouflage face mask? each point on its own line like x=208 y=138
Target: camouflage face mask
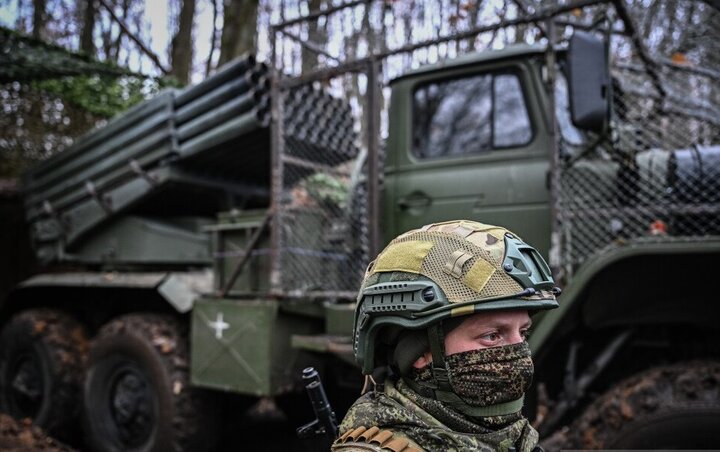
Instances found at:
x=491 y=375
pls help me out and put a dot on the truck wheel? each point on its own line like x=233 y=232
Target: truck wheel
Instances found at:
x=668 y=407
x=137 y=391
x=42 y=363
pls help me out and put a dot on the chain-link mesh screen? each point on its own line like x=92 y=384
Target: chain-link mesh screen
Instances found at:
x=654 y=177
x=658 y=176
x=323 y=208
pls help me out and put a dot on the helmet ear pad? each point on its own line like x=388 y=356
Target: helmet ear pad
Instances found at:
x=412 y=344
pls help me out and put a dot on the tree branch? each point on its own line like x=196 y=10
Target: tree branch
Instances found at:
x=525 y=9
x=631 y=30
x=213 y=38
x=150 y=54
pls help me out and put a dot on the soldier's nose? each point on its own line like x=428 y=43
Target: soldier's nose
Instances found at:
x=516 y=337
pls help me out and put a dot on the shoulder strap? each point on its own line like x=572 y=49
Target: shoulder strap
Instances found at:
x=374 y=439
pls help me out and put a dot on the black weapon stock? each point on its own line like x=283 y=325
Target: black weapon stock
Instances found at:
x=325 y=422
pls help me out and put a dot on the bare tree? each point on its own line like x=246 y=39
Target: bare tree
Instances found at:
x=182 y=48
x=39 y=18
x=239 y=29
x=89 y=13
x=317 y=34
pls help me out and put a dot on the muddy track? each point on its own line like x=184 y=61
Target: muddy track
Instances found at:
x=689 y=387
x=65 y=347
x=17 y=436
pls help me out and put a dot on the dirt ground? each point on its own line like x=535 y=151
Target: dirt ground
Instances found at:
x=257 y=433
x=17 y=436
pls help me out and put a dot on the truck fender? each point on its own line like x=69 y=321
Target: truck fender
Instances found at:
x=178 y=289
x=643 y=282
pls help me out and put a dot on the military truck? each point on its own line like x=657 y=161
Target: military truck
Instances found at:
x=206 y=246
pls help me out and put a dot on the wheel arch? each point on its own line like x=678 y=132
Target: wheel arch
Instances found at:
x=639 y=284
x=662 y=293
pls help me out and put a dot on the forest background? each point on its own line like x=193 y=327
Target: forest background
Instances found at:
x=67 y=66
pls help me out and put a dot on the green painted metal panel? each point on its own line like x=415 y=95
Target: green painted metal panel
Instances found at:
x=135 y=239
x=245 y=346
x=339 y=318
x=90 y=213
x=308 y=252
x=230 y=238
x=516 y=51
x=179 y=289
x=232 y=345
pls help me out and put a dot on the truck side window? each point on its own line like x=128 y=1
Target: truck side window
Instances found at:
x=510 y=121
x=571 y=135
x=470 y=115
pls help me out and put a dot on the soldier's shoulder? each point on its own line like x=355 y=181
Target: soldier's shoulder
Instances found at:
x=363 y=439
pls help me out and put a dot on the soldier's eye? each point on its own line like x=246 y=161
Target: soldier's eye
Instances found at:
x=525 y=334
x=492 y=337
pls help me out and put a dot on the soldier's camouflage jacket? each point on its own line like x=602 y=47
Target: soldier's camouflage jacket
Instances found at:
x=390 y=421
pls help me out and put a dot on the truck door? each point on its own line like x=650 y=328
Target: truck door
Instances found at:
x=475 y=148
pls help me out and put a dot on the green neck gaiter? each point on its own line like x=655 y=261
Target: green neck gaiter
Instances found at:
x=491 y=375
x=482 y=378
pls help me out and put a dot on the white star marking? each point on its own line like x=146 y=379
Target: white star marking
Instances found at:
x=219 y=325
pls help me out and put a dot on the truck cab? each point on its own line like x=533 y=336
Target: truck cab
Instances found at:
x=471 y=136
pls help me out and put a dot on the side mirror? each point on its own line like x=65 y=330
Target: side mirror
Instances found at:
x=589 y=80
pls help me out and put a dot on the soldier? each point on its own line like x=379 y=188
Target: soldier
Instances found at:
x=446 y=309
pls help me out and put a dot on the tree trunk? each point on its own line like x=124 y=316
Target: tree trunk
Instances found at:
x=87 y=44
x=239 y=29
x=181 y=53
x=39 y=18
x=316 y=35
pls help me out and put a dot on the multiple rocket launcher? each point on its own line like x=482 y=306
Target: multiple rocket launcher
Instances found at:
x=190 y=152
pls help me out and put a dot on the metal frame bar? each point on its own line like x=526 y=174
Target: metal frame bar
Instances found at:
x=309 y=45
x=277 y=143
x=555 y=183
x=373 y=142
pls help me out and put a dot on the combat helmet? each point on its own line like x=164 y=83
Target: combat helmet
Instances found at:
x=444 y=271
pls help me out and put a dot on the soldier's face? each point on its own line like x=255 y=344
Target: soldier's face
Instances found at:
x=488 y=329
x=484 y=330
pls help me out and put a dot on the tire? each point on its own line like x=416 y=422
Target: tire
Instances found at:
x=42 y=363
x=668 y=407
x=137 y=392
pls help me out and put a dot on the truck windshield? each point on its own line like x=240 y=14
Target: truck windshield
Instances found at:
x=469 y=115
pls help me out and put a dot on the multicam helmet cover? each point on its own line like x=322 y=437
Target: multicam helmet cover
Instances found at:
x=445 y=270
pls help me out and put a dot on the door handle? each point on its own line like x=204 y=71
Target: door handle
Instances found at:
x=414 y=201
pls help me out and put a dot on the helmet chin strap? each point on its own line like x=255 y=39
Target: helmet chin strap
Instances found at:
x=436 y=338
x=441 y=389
